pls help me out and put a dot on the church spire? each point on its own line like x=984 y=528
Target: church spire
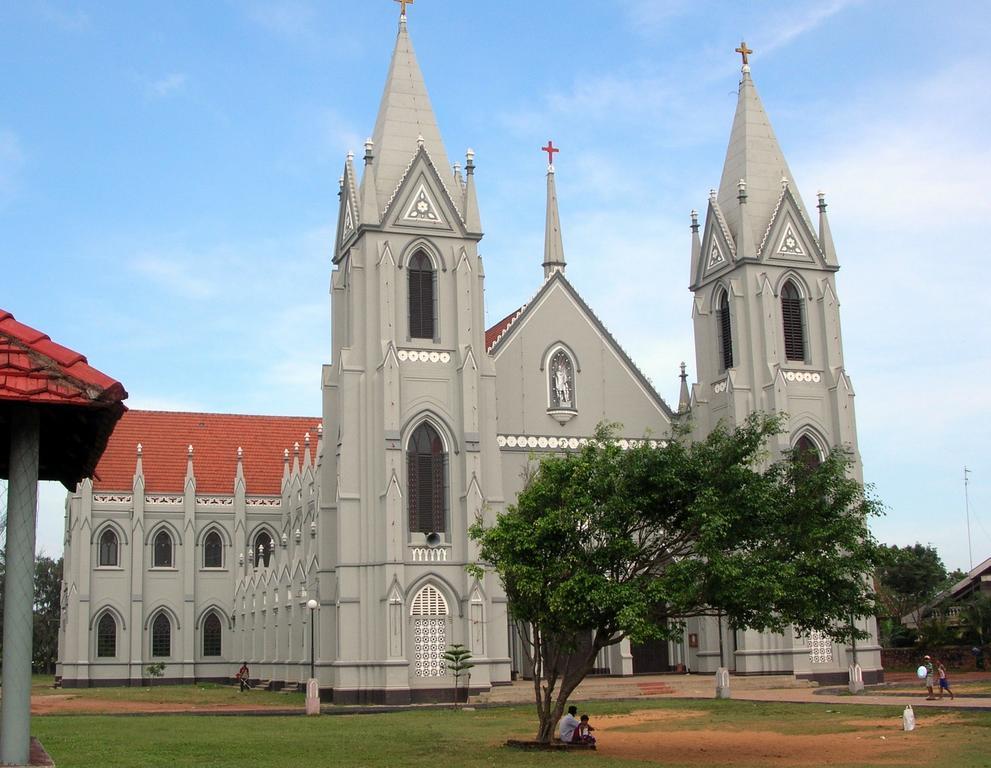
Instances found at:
x=553 y=243
x=754 y=156
x=404 y=116
x=684 y=398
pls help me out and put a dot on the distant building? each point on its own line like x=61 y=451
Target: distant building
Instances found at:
x=949 y=603
x=203 y=535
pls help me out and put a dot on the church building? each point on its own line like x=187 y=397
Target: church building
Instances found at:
x=208 y=540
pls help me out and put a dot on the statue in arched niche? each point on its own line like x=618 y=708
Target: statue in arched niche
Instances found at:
x=562 y=380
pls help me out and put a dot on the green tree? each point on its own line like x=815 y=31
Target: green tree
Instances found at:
x=47 y=612
x=155 y=670
x=606 y=543
x=458 y=660
x=975 y=619
x=907 y=579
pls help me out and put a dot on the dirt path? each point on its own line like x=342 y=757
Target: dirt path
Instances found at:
x=71 y=704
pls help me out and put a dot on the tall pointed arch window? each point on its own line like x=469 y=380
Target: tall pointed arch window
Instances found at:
x=106 y=636
x=793 y=320
x=807 y=452
x=724 y=330
x=426 y=481
x=213 y=551
x=162 y=555
x=429 y=614
x=422 y=299
x=262 y=549
x=161 y=636
x=212 y=635
x=561 y=381
x=109 y=549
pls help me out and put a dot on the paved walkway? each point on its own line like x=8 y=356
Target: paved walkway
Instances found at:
x=780 y=688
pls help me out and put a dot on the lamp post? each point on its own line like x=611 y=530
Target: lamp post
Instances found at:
x=312 y=605
x=312 y=686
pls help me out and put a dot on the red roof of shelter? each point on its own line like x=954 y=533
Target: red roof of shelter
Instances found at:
x=33 y=368
x=165 y=438
x=492 y=334
x=77 y=406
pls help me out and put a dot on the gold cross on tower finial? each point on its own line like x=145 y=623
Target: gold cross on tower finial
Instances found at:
x=404 y=3
x=745 y=52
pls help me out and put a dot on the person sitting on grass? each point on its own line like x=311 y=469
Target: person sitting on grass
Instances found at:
x=583 y=734
x=569 y=725
x=944 y=681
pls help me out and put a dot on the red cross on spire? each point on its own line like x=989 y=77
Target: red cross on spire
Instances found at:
x=550 y=149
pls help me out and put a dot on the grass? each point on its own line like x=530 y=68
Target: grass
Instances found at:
x=423 y=738
x=200 y=695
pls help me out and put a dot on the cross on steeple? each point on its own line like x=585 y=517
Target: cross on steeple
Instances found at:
x=403 y=3
x=550 y=149
x=742 y=50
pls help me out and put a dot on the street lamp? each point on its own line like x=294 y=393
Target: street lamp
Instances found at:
x=312 y=605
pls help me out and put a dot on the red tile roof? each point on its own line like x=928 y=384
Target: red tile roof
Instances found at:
x=35 y=369
x=492 y=334
x=215 y=437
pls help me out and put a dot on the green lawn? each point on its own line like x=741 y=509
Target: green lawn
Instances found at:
x=431 y=738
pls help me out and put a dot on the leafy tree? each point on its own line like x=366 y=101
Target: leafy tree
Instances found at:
x=47 y=612
x=908 y=578
x=458 y=659
x=155 y=670
x=975 y=619
x=606 y=543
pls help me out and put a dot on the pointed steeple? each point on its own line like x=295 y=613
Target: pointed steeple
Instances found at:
x=369 y=202
x=553 y=244
x=684 y=399
x=753 y=155
x=696 y=247
x=825 y=236
x=404 y=116
x=473 y=222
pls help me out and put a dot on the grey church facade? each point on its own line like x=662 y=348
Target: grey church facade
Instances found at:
x=205 y=536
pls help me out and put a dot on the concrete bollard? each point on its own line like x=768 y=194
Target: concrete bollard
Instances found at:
x=312 y=697
x=722 y=683
x=856 y=679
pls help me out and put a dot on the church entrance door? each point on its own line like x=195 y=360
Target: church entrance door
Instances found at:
x=651 y=658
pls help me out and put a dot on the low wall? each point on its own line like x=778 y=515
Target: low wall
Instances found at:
x=955 y=657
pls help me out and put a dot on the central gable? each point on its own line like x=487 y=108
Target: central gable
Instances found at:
x=421 y=201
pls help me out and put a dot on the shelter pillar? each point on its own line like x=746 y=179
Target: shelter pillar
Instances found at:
x=22 y=504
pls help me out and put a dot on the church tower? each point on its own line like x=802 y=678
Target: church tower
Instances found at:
x=409 y=406
x=767 y=338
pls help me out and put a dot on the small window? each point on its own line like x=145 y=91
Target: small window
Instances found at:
x=421 y=297
x=213 y=551
x=106 y=637
x=724 y=328
x=426 y=475
x=163 y=550
x=161 y=637
x=212 y=635
x=793 y=320
x=109 y=548
x=263 y=549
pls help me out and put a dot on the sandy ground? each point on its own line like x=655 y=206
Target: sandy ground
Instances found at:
x=643 y=736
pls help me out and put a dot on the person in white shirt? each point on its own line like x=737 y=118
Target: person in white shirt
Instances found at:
x=568 y=725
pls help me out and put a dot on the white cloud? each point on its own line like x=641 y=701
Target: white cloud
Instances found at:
x=799 y=20
x=68 y=20
x=179 y=274
x=167 y=85
x=291 y=19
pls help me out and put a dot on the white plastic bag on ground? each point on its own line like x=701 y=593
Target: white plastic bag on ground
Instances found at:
x=908 y=719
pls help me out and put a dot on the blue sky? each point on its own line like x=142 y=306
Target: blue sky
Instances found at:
x=168 y=191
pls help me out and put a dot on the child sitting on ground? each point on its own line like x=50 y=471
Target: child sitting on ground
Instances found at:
x=583 y=733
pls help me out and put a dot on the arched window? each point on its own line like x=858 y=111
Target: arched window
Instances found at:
x=109 y=548
x=793 y=319
x=561 y=380
x=212 y=635
x=161 y=636
x=213 y=551
x=807 y=452
x=263 y=549
x=429 y=614
x=106 y=636
x=724 y=329
x=162 y=557
x=422 y=303
x=426 y=476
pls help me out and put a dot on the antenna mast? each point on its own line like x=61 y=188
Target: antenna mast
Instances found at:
x=966 y=501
